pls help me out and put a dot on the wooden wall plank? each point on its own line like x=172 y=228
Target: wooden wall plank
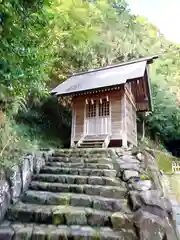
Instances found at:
x=116 y=114
x=124 y=120
x=131 y=122
x=79 y=103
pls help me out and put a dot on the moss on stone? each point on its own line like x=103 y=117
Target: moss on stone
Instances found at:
x=145 y=177
x=48 y=236
x=64 y=200
x=96 y=236
x=57 y=220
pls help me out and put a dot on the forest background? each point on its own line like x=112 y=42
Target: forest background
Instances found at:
x=44 y=41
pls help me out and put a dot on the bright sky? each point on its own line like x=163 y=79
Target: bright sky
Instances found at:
x=165 y=14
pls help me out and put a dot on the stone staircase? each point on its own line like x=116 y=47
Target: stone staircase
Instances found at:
x=76 y=195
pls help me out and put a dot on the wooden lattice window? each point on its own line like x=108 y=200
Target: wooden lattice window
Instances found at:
x=91 y=109
x=104 y=108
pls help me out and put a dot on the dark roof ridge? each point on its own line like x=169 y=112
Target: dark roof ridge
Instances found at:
x=148 y=59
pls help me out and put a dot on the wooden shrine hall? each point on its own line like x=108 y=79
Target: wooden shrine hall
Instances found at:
x=105 y=102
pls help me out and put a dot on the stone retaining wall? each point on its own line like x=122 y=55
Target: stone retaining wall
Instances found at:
x=153 y=214
x=15 y=181
x=172 y=197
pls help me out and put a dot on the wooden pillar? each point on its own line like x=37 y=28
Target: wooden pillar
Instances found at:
x=124 y=121
x=134 y=112
x=73 y=124
x=85 y=127
x=136 y=141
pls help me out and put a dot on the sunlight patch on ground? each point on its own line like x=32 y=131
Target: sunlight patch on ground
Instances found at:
x=164 y=161
x=175 y=185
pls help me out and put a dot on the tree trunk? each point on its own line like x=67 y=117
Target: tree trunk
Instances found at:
x=143 y=130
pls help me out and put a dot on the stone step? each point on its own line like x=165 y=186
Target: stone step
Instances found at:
x=93 y=152
x=81 y=165
x=24 y=231
x=80 y=160
x=77 y=179
x=99 y=190
x=79 y=200
x=58 y=215
x=79 y=171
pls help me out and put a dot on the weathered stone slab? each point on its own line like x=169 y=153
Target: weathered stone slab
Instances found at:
x=99 y=166
x=26 y=171
x=76 y=217
x=39 y=162
x=98 y=218
x=129 y=166
x=39 y=232
x=22 y=231
x=121 y=220
x=29 y=213
x=128 y=174
x=76 y=232
x=52 y=187
x=140 y=157
x=77 y=171
x=135 y=200
x=155 y=198
x=142 y=185
x=6 y=233
x=129 y=159
x=5 y=198
x=14 y=177
x=150 y=226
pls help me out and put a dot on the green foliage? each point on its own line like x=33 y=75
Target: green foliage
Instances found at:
x=46 y=121
x=12 y=146
x=164 y=121
x=80 y=29
x=25 y=51
x=44 y=41
x=147 y=142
